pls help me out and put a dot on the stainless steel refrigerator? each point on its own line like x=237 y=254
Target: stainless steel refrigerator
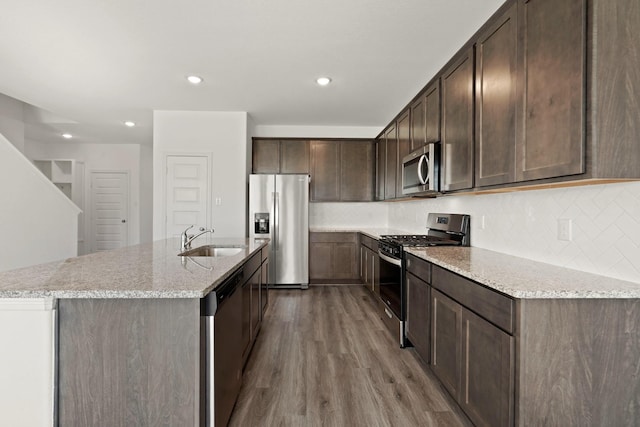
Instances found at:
x=279 y=210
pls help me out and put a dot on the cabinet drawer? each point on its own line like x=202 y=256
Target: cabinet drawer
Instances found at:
x=252 y=265
x=495 y=307
x=333 y=237
x=369 y=242
x=418 y=267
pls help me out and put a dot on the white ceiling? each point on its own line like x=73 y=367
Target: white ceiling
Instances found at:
x=101 y=62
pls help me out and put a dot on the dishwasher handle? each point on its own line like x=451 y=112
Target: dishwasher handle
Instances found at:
x=210 y=304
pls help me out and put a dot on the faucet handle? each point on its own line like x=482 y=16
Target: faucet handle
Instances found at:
x=187 y=229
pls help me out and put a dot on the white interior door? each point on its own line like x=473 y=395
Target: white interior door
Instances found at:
x=109 y=210
x=186 y=193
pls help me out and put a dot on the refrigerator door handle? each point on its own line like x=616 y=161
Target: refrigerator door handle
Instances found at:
x=276 y=219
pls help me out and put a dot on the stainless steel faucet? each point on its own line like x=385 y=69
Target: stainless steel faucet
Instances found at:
x=185 y=239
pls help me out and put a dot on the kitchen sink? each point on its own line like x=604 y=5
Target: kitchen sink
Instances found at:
x=213 y=251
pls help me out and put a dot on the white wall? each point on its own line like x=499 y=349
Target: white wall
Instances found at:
x=225 y=136
x=12 y=121
x=146 y=194
x=101 y=157
x=38 y=223
x=606 y=225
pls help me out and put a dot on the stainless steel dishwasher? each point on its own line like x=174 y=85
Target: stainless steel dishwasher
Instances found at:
x=221 y=351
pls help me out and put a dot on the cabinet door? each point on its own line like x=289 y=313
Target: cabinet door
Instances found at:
x=344 y=261
x=375 y=272
x=246 y=319
x=418 y=123
x=294 y=156
x=254 y=282
x=457 y=111
x=432 y=113
x=418 y=315
x=266 y=156
x=356 y=171
x=264 y=287
x=381 y=162
x=488 y=372
x=496 y=102
x=391 y=162
x=320 y=260
x=446 y=351
x=325 y=171
x=553 y=85
x=364 y=264
x=404 y=147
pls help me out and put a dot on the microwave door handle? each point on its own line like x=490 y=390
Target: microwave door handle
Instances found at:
x=423 y=179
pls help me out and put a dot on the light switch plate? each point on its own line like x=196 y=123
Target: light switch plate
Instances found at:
x=565 y=231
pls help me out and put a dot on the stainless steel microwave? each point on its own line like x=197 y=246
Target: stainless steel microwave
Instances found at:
x=421 y=171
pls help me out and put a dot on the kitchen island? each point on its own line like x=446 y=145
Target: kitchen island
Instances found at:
x=129 y=336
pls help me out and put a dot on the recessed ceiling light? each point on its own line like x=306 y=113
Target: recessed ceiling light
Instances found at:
x=196 y=80
x=129 y=123
x=323 y=81
x=67 y=136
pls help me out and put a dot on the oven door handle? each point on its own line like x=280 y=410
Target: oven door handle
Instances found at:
x=389 y=259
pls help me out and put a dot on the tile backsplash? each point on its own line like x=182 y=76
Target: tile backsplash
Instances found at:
x=605 y=224
x=348 y=215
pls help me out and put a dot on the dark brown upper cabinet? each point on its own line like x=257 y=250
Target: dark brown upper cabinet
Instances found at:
x=457 y=123
x=356 y=171
x=425 y=116
x=381 y=162
x=403 y=124
x=325 y=171
x=294 y=156
x=496 y=102
x=433 y=114
x=418 y=122
x=391 y=163
x=342 y=171
x=280 y=156
x=266 y=156
x=552 y=87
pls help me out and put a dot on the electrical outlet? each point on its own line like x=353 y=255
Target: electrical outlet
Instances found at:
x=218 y=201
x=565 y=229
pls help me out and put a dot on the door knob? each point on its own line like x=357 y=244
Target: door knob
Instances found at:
x=124 y=220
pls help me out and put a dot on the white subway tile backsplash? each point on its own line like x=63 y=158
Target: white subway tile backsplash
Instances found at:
x=605 y=225
x=345 y=215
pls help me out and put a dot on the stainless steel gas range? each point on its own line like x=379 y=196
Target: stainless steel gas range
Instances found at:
x=443 y=230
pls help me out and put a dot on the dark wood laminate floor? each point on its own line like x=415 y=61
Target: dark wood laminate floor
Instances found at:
x=323 y=358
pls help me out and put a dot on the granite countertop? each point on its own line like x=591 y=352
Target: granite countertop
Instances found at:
x=524 y=278
x=150 y=270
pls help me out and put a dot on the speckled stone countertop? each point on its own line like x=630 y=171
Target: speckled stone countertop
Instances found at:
x=151 y=270
x=524 y=278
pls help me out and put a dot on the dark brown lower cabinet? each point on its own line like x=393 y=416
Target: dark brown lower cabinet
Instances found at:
x=446 y=345
x=333 y=258
x=264 y=286
x=369 y=268
x=487 y=372
x=474 y=360
x=418 y=320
